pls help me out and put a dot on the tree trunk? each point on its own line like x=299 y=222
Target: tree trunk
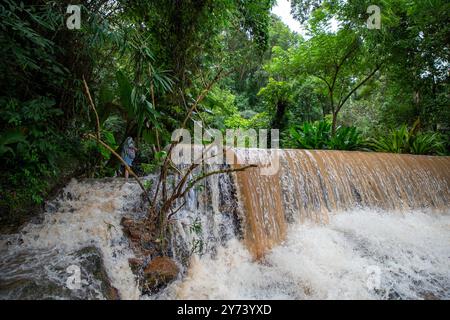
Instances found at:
x=334 y=112
x=333 y=125
x=278 y=120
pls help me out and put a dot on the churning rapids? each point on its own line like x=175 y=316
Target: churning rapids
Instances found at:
x=329 y=225
x=409 y=252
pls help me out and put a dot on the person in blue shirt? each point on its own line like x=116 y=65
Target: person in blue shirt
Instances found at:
x=128 y=154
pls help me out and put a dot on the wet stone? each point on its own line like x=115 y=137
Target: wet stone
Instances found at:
x=160 y=272
x=45 y=276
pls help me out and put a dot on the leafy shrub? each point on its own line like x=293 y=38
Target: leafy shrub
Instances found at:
x=33 y=139
x=311 y=135
x=428 y=143
x=318 y=135
x=148 y=168
x=404 y=140
x=31 y=148
x=347 y=138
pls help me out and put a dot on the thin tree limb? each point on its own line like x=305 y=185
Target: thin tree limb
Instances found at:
x=91 y=103
x=192 y=183
x=357 y=87
x=152 y=92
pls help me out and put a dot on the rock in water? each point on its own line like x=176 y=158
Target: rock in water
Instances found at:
x=45 y=276
x=159 y=272
x=92 y=264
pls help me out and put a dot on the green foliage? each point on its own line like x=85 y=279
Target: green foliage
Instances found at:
x=31 y=149
x=10 y=138
x=257 y=121
x=276 y=92
x=41 y=102
x=303 y=9
x=196 y=227
x=277 y=97
x=310 y=135
x=196 y=230
x=219 y=106
x=413 y=45
x=108 y=138
x=431 y=143
x=347 y=138
x=27 y=48
x=148 y=168
x=160 y=156
x=148 y=184
x=410 y=140
x=222 y=112
x=28 y=135
x=139 y=109
x=318 y=136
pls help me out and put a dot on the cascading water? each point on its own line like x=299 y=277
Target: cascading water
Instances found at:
x=209 y=218
x=329 y=224
x=80 y=228
x=312 y=184
x=332 y=225
x=360 y=254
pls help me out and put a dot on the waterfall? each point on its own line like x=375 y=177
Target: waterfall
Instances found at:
x=313 y=229
x=80 y=228
x=312 y=184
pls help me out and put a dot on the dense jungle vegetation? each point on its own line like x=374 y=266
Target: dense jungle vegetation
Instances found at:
x=146 y=61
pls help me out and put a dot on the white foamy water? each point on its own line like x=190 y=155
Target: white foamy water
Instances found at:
x=359 y=254
x=342 y=260
x=88 y=214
